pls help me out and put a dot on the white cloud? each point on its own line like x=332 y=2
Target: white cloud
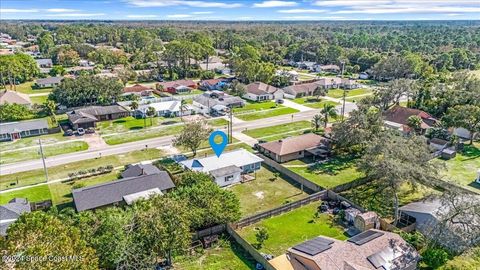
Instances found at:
x=245 y=18
x=15 y=10
x=202 y=12
x=141 y=16
x=270 y=4
x=179 y=16
x=193 y=3
x=76 y=15
x=408 y=10
x=301 y=10
x=62 y=10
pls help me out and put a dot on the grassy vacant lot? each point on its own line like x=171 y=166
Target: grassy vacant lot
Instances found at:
x=371 y=197
x=266 y=114
x=293 y=228
x=33 y=141
x=62 y=171
x=267 y=191
x=39 y=99
x=462 y=169
x=227 y=255
x=131 y=123
x=257 y=106
x=278 y=132
x=26 y=88
x=312 y=102
x=48 y=150
x=33 y=194
x=142 y=134
x=337 y=171
x=338 y=93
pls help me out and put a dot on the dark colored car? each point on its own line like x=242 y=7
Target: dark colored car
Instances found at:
x=69 y=132
x=90 y=130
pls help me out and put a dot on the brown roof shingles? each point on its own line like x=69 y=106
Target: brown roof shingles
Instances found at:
x=259 y=88
x=294 y=144
x=400 y=115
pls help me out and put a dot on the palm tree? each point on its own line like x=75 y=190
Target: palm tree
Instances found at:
x=319 y=91
x=414 y=122
x=150 y=113
x=50 y=106
x=317 y=121
x=134 y=106
x=327 y=112
x=183 y=108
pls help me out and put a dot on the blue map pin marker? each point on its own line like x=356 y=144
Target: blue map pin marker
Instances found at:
x=218 y=147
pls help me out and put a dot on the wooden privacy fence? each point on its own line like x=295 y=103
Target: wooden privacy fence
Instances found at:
x=218 y=229
x=279 y=210
x=295 y=177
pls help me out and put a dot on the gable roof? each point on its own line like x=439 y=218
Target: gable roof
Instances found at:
x=212 y=81
x=12 y=97
x=90 y=114
x=11 y=211
x=113 y=192
x=177 y=83
x=140 y=169
x=207 y=99
x=50 y=80
x=301 y=88
x=137 y=88
x=260 y=88
x=399 y=114
x=294 y=144
x=6 y=128
x=238 y=158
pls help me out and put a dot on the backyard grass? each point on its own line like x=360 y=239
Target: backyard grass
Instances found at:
x=337 y=171
x=33 y=194
x=26 y=88
x=462 y=170
x=227 y=255
x=142 y=134
x=371 y=197
x=293 y=228
x=266 y=114
x=274 y=132
x=266 y=192
x=62 y=171
x=48 y=151
x=39 y=99
x=312 y=102
x=338 y=93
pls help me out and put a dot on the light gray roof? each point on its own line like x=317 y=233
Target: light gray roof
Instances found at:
x=89 y=114
x=140 y=169
x=229 y=170
x=239 y=158
x=226 y=100
x=50 y=80
x=426 y=207
x=11 y=212
x=113 y=192
x=12 y=97
x=7 y=128
x=44 y=61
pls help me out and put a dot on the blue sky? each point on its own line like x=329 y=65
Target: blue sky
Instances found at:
x=241 y=9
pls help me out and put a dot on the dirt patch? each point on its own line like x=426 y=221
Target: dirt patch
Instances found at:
x=259 y=195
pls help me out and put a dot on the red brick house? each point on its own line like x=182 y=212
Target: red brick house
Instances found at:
x=177 y=87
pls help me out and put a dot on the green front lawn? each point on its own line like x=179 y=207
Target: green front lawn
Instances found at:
x=266 y=114
x=131 y=123
x=26 y=88
x=218 y=122
x=292 y=228
x=48 y=150
x=278 y=129
x=462 y=170
x=39 y=100
x=338 y=93
x=33 y=141
x=142 y=134
x=226 y=255
x=62 y=171
x=257 y=106
x=312 y=102
x=337 y=171
x=33 y=194
x=266 y=192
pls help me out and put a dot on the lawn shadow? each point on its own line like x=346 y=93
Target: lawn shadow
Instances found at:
x=65 y=205
x=333 y=166
x=475 y=185
x=242 y=254
x=471 y=152
x=168 y=123
x=119 y=121
x=136 y=127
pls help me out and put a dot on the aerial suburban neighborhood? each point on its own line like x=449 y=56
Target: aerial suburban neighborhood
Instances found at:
x=240 y=135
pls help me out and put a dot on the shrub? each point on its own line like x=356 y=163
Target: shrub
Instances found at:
x=435 y=257
x=78 y=185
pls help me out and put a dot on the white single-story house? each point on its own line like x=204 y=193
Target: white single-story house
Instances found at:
x=48 y=82
x=165 y=108
x=259 y=91
x=226 y=169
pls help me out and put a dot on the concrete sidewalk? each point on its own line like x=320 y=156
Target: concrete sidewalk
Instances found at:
x=296 y=106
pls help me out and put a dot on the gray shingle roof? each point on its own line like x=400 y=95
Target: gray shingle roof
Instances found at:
x=89 y=114
x=140 y=169
x=11 y=212
x=50 y=80
x=112 y=192
x=229 y=170
x=7 y=128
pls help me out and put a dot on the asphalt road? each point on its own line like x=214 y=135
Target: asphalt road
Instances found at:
x=152 y=143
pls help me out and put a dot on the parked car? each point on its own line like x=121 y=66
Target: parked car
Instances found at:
x=80 y=131
x=280 y=101
x=90 y=130
x=69 y=132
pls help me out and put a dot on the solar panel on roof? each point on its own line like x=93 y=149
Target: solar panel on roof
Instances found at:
x=314 y=246
x=365 y=237
x=376 y=260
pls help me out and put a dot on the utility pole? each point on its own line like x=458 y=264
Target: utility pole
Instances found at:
x=344 y=93
x=230 y=125
x=43 y=160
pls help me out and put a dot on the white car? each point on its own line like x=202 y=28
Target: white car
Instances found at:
x=80 y=131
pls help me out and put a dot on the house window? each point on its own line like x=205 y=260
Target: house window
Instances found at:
x=228 y=178
x=300 y=152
